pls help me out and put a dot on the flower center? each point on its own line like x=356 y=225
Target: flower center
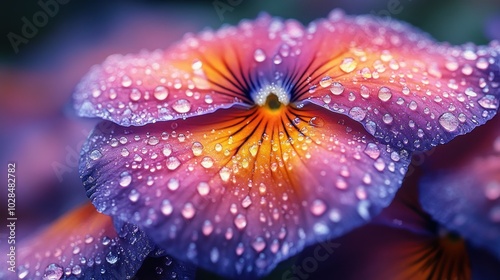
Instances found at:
x=272 y=97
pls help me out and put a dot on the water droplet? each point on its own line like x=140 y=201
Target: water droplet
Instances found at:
x=172 y=163
x=316 y=122
x=160 y=93
x=76 y=270
x=492 y=190
x=203 y=188
x=384 y=94
x=448 y=121
x=134 y=196
x=337 y=88
x=259 y=244
x=22 y=272
x=167 y=150
x=111 y=258
x=469 y=55
x=197 y=64
x=325 y=81
x=357 y=113
x=153 y=141
x=53 y=272
x=387 y=118
x=334 y=215
x=182 y=106
x=262 y=188
x=320 y=228
x=197 y=148
x=379 y=164
x=488 y=102
x=166 y=207
x=253 y=149
x=224 y=174
x=259 y=55
x=95 y=155
x=209 y=99
x=372 y=150
x=188 y=210
x=240 y=248
x=348 y=65
x=318 y=207
x=240 y=221
x=413 y=105
x=246 y=202
x=126 y=81
x=207 y=228
x=214 y=255
x=125 y=179
x=207 y=162
x=135 y=94
x=173 y=184
x=364 y=91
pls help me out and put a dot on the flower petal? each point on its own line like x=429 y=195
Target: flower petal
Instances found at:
x=159 y=268
x=405 y=88
x=240 y=190
x=84 y=244
x=198 y=75
x=466 y=197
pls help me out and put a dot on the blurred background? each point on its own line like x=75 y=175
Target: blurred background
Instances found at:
x=46 y=46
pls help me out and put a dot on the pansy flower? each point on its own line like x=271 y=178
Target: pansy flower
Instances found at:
x=468 y=185
x=403 y=242
x=236 y=148
x=85 y=244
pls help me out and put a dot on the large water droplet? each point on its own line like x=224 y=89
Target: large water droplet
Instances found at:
x=372 y=150
x=111 y=258
x=135 y=94
x=188 y=210
x=357 y=113
x=207 y=228
x=316 y=122
x=160 y=93
x=448 y=121
x=246 y=202
x=325 y=81
x=172 y=163
x=173 y=184
x=240 y=221
x=384 y=94
x=348 y=65
x=488 y=102
x=197 y=148
x=166 y=207
x=203 y=188
x=318 y=207
x=224 y=174
x=182 y=106
x=207 y=162
x=134 y=195
x=126 y=81
x=167 y=150
x=153 y=141
x=337 y=88
x=125 y=179
x=259 y=55
x=53 y=272
x=259 y=244
x=95 y=155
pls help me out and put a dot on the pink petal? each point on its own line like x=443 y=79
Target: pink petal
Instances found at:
x=243 y=189
x=404 y=87
x=84 y=243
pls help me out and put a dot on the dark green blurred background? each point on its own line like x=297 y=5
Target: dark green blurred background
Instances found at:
x=449 y=20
